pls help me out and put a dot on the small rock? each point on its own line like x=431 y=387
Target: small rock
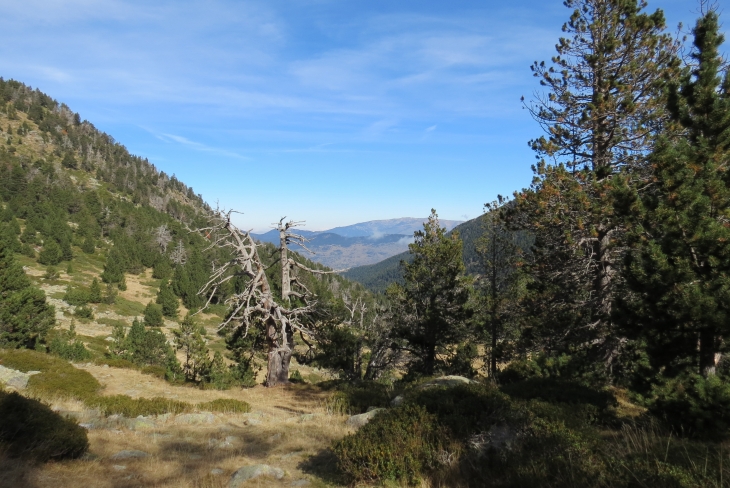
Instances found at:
x=370 y=409
x=301 y=482
x=397 y=401
x=275 y=437
x=250 y=472
x=130 y=454
x=106 y=366
x=13 y=378
x=252 y=422
x=357 y=421
x=31 y=373
x=216 y=471
x=119 y=467
x=195 y=457
x=88 y=426
x=308 y=416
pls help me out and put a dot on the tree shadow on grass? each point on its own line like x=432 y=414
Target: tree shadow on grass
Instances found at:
x=323 y=465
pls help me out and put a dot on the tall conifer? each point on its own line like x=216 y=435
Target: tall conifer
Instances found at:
x=680 y=267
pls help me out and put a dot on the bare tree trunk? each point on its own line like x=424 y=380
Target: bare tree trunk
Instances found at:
x=708 y=341
x=277 y=372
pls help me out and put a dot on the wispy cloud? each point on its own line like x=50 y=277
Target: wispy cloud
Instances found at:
x=198 y=146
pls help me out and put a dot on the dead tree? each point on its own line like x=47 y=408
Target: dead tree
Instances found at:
x=256 y=305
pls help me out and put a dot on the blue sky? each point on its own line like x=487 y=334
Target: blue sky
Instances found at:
x=333 y=112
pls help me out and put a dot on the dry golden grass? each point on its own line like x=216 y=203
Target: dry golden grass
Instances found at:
x=274 y=433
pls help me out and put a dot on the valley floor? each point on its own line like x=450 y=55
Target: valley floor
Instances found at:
x=288 y=428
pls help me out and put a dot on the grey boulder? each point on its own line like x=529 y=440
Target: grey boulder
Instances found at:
x=13 y=379
x=357 y=421
x=254 y=471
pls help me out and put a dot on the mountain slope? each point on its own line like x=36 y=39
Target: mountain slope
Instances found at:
x=340 y=252
x=377 y=228
x=360 y=244
x=376 y=277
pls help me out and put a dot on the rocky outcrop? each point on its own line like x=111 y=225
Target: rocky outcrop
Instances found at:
x=250 y=472
x=11 y=378
x=357 y=421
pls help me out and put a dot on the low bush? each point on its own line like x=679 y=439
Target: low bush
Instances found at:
x=76 y=296
x=57 y=376
x=84 y=312
x=226 y=405
x=67 y=382
x=296 y=377
x=695 y=406
x=541 y=366
x=132 y=407
x=357 y=397
x=592 y=404
x=401 y=444
x=64 y=344
x=31 y=429
x=466 y=409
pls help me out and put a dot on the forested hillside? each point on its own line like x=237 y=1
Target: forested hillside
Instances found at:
x=110 y=239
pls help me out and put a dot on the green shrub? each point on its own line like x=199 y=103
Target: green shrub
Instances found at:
x=76 y=296
x=84 y=312
x=227 y=405
x=30 y=428
x=399 y=444
x=694 y=406
x=69 y=350
x=358 y=397
x=296 y=377
x=64 y=344
x=549 y=454
x=51 y=273
x=466 y=409
x=592 y=404
x=153 y=315
x=132 y=407
x=69 y=382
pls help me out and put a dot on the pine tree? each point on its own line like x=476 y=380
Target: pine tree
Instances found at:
x=25 y=317
x=430 y=308
x=162 y=268
x=189 y=339
x=118 y=346
x=88 y=245
x=500 y=283
x=95 y=292
x=114 y=268
x=153 y=315
x=601 y=112
x=51 y=253
x=167 y=300
x=680 y=266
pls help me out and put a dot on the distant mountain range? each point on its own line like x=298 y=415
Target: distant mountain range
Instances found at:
x=376 y=277
x=358 y=244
